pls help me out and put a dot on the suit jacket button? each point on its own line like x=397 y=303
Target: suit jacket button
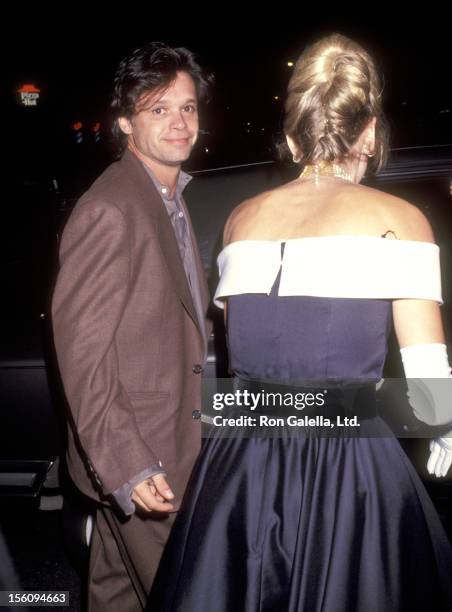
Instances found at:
x=196 y=414
x=197 y=369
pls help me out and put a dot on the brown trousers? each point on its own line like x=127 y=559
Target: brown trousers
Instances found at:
x=124 y=557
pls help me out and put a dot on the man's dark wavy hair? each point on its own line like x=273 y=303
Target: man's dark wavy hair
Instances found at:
x=148 y=68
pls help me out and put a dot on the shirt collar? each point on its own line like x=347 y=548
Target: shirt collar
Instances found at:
x=182 y=182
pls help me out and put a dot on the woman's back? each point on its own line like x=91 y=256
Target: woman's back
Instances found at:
x=329 y=245
x=333 y=207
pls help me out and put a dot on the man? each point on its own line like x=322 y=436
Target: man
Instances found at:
x=129 y=327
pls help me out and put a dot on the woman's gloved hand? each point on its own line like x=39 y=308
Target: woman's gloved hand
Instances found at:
x=440 y=458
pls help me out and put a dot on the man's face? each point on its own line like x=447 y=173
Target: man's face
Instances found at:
x=165 y=127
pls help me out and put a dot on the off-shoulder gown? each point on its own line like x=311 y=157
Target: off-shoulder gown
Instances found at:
x=310 y=523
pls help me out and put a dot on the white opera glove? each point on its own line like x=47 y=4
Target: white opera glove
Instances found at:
x=440 y=458
x=429 y=362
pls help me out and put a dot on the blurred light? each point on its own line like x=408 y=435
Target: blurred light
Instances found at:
x=275 y=97
x=77 y=126
x=248 y=123
x=444 y=110
x=29 y=88
x=96 y=127
x=206 y=149
x=290 y=64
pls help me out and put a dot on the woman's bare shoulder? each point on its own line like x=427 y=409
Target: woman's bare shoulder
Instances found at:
x=405 y=219
x=243 y=218
x=389 y=213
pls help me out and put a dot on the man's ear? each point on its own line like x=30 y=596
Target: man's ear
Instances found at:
x=125 y=125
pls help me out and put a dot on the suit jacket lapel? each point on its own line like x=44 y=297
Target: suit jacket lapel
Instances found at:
x=199 y=267
x=169 y=246
x=205 y=297
x=168 y=242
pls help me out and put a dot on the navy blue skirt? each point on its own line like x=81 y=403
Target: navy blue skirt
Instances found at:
x=302 y=524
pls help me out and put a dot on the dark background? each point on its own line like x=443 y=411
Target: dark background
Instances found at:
x=72 y=58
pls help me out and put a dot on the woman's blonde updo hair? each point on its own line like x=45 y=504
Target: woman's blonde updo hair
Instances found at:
x=333 y=94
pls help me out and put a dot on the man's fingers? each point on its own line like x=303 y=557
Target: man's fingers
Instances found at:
x=138 y=501
x=155 y=493
x=162 y=486
x=148 y=498
x=147 y=501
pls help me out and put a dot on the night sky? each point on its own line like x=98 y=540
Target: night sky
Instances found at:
x=72 y=59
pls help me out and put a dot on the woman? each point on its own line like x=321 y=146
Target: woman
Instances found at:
x=311 y=273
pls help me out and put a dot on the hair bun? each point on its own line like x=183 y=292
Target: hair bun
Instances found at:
x=333 y=93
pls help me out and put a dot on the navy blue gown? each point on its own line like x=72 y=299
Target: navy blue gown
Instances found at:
x=308 y=523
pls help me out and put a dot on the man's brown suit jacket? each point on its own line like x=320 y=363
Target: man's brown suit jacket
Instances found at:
x=128 y=341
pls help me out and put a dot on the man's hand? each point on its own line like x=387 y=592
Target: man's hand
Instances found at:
x=153 y=494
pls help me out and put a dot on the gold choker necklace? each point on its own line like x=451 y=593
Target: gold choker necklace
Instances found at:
x=325 y=169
